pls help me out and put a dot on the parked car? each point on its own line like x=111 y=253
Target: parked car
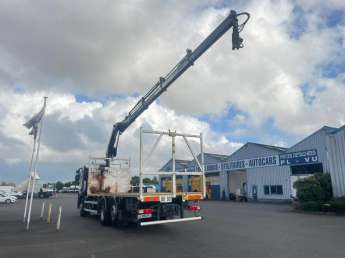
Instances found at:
x=19 y=195
x=7 y=198
x=8 y=193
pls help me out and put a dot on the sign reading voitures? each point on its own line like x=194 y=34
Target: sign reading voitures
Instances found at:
x=299 y=158
x=251 y=163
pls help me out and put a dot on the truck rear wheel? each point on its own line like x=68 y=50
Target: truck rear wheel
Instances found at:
x=114 y=214
x=115 y=217
x=104 y=215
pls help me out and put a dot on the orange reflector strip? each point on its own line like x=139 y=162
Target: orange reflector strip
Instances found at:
x=193 y=197
x=151 y=199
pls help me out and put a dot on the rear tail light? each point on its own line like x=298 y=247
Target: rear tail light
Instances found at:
x=194 y=207
x=145 y=211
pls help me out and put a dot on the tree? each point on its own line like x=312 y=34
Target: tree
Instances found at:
x=147 y=181
x=325 y=182
x=7 y=184
x=155 y=180
x=316 y=188
x=135 y=180
x=59 y=185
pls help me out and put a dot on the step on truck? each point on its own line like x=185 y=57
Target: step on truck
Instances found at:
x=106 y=190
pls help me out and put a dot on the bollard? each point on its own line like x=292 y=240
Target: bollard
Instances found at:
x=42 y=211
x=49 y=213
x=58 y=223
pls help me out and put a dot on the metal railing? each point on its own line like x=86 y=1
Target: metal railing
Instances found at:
x=199 y=168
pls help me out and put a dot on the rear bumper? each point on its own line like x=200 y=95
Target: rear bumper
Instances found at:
x=157 y=222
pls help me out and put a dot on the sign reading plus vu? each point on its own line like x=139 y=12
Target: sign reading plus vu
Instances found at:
x=287 y=159
x=299 y=158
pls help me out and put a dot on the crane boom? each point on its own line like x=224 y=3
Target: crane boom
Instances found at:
x=164 y=82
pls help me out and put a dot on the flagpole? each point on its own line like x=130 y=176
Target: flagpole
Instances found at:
x=35 y=165
x=30 y=178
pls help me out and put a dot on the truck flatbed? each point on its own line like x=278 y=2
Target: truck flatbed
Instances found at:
x=149 y=197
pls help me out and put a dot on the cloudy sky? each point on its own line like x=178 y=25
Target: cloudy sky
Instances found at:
x=94 y=59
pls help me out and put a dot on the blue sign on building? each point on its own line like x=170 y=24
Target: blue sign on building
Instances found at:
x=299 y=158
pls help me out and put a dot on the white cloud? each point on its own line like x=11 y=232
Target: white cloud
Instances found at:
x=74 y=131
x=103 y=48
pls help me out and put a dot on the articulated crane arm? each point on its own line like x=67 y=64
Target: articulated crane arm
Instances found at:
x=176 y=72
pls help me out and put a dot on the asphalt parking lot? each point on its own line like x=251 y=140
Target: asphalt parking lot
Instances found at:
x=228 y=230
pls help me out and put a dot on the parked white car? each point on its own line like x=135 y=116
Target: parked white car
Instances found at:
x=18 y=195
x=7 y=198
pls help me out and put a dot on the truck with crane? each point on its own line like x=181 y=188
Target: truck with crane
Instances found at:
x=105 y=188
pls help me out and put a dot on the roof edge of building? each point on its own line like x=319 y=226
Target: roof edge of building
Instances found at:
x=270 y=147
x=323 y=128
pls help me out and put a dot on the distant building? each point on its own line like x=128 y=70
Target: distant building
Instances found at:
x=265 y=172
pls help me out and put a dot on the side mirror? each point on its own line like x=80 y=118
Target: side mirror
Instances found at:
x=77 y=176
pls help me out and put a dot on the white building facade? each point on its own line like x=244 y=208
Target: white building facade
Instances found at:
x=267 y=173
x=336 y=156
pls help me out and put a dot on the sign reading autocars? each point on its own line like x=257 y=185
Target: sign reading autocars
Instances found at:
x=251 y=163
x=299 y=158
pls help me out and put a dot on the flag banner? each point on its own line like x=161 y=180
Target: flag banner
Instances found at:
x=33 y=124
x=34 y=131
x=34 y=121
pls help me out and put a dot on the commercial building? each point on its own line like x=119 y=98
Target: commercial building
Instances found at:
x=254 y=170
x=264 y=172
x=336 y=156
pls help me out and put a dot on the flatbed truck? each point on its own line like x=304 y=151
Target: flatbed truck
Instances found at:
x=104 y=183
x=105 y=190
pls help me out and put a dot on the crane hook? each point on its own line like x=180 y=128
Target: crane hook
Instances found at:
x=237 y=41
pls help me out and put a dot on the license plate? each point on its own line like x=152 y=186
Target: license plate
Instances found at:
x=144 y=216
x=165 y=198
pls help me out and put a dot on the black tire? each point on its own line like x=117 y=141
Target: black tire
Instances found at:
x=114 y=215
x=104 y=215
x=82 y=212
x=8 y=201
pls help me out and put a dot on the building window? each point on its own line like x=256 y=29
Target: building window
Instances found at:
x=306 y=169
x=273 y=189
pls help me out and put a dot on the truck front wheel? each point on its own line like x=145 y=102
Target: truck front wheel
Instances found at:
x=82 y=212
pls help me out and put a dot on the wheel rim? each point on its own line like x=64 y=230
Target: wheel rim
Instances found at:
x=102 y=215
x=113 y=213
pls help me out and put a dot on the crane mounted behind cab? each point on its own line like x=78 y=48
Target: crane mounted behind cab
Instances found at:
x=106 y=190
x=164 y=82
